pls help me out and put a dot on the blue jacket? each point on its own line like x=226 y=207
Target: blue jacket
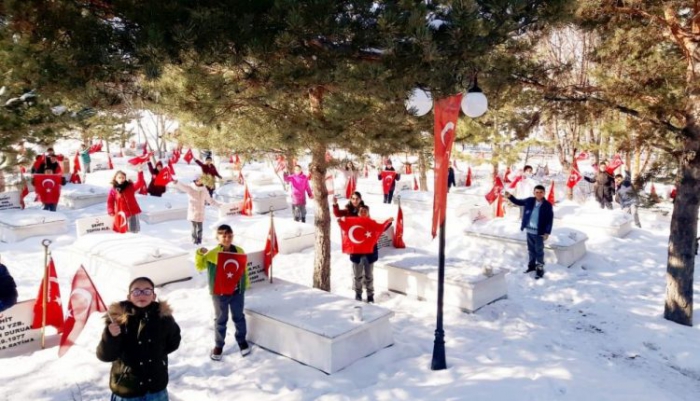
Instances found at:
x=544 y=226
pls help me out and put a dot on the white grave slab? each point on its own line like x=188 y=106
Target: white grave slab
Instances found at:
x=156 y=209
x=292 y=236
x=315 y=327
x=260 y=178
x=9 y=200
x=371 y=185
x=115 y=259
x=595 y=222
x=458 y=204
x=16 y=225
x=78 y=196
x=16 y=334
x=264 y=197
x=469 y=285
x=564 y=246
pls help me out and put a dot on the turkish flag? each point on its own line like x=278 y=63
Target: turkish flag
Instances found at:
x=140 y=159
x=140 y=185
x=93 y=148
x=229 y=270
x=76 y=163
x=330 y=184
x=574 y=176
x=24 y=193
x=188 y=156
x=582 y=156
x=360 y=234
x=468 y=182
x=446 y=114
x=415 y=183
x=84 y=300
x=54 y=307
x=351 y=187
x=75 y=178
x=247 y=208
x=241 y=179
x=280 y=164
x=164 y=177
x=516 y=181
x=387 y=180
x=110 y=166
x=506 y=176
x=500 y=209
x=615 y=163
x=398 y=231
x=550 y=195
x=407 y=168
x=492 y=195
x=47 y=187
x=271 y=248
x=120 y=223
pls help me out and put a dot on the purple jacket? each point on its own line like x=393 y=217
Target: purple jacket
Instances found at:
x=300 y=187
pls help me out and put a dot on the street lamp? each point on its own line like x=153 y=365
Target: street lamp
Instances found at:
x=473 y=104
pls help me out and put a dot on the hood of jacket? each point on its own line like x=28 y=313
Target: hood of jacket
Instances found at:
x=120 y=312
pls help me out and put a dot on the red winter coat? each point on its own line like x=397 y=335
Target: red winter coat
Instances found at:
x=124 y=200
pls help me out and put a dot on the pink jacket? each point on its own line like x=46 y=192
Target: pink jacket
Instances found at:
x=300 y=187
x=197 y=196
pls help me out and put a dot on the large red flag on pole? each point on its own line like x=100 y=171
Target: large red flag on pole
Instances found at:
x=351 y=186
x=271 y=248
x=247 y=208
x=446 y=114
x=574 y=176
x=398 y=230
x=550 y=196
x=54 y=307
x=84 y=300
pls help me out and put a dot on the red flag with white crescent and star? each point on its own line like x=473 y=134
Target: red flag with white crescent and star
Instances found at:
x=164 y=177
x=446 y=114
x=47 y=187
x=492 y=195
x=188 y=156
x=398 y=231
x=574 y=175
x=140 y=159
x=229 y=271
x=550 y=195
x=360 y=234
x=351 y=186
x=120 y=223
x=615 y=163
x=54 y=307
x=247 y=208
x=84 y=300
x=271 y=248
x=388 y=178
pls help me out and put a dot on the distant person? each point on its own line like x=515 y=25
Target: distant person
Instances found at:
x=122 y=198
x=352 y=208
x=223 y=303
x=537 y=222
x=450 y=178
x=626 y=196
x=198 y=197
x=8 y=289
x=47 y=162
x=154 y=189
x=603 y=186
x=300 y=188
x=49 y=200
x=209 y=174
x=85 y=160
x=139 y=335
x=384 y=177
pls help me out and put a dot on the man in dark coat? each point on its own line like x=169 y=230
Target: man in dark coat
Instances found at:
x=603 y=186
x=537 y=220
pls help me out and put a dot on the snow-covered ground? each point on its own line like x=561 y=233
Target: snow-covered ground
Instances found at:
x=593 y=331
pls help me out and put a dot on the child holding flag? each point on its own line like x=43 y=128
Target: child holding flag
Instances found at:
x=122 y=204
x=226 y=299
x=139 y=335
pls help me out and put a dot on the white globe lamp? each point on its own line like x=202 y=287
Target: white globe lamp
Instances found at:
x=419 y=103
x=474 y=104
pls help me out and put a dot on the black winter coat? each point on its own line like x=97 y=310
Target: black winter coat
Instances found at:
x=603 y=186
x=139 y=355
x=8 y=289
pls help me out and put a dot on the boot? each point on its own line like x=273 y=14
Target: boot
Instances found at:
x=370 y=299
x=530 y=268
x=539 y=271
x=216 y=353
x=358 y=296
x=245 y=348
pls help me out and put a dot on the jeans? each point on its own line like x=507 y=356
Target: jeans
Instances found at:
x=535 y=249
x=632 y=209
x=133 y=223
x=389 y=196
x=222 y=304
x=299 y=212
x=364 y=274
x=51 y=207
x=84 y=172
x=159 y=396
x=197 y=232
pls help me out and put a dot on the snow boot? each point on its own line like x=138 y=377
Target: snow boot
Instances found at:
x=358 y=296
x=370 y=299
x=245 y=348
x=216 y=353
x=539 y=271
x=530 y=268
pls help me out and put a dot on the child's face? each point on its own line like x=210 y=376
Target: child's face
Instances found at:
x=225 y=239
x=142 y=294
x=355 y=200
x=297 y=170
x=120 y=178
x=363 y=212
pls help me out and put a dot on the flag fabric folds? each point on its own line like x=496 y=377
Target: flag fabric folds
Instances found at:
x=188 y=156
x=164 y=177
x=574 y=176
x=247 y=208
x=398 y=230
x=229 y=270
x=271 y=248
x=83 y=301
x=360 y=234
x=550 y=196
x=54 y=307
x=388 y=178
x=492 y=195
x=351 y=186
x=468 y=182
x=47 y=187
x=140 y=185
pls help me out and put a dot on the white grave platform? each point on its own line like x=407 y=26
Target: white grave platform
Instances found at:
x=371 y=185
x=16 y=225
x=292 y=236
x=469 y=285
x=614 y=223
x=256 y=178
x=78 y=196
x=458 y=204
x=156 y=209
x=264 y=197
x=115 y=259
x=315 y=327
x=564 y=246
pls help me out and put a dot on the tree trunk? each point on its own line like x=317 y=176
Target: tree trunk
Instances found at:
x=322 y=218
x=423 y=167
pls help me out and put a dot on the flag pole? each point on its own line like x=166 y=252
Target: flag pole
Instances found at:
x=44 y=291
x=272 y=243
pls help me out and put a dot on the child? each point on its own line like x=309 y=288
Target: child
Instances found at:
x=198 y=196
x=50 y=205
x=352 y=209
x=363 y=264
x=300 y=188
x=153 y=189
x=235 y=302
x=122 y=198
x=209 y=174
x=139 y=335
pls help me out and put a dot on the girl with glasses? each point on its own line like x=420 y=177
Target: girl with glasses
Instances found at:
x=139 y=334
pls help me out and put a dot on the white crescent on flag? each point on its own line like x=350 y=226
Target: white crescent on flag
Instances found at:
x=449 y=126
x=230 y=275
x=123 y=218
x=83 y=307
x=52 y=182
x=387 y=179
x=351 y=235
